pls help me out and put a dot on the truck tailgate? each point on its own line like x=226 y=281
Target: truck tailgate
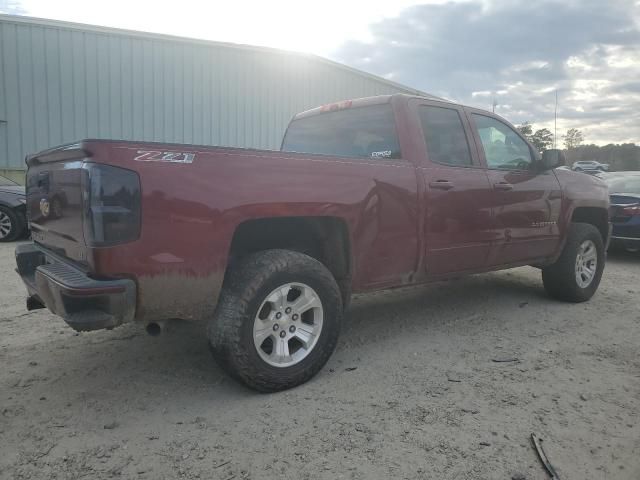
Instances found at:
x=54 y=200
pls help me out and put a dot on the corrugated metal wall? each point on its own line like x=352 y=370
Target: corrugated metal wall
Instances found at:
x=61 y=83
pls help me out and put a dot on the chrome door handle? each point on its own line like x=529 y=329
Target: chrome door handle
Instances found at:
x=503 y=186
x=441 y=184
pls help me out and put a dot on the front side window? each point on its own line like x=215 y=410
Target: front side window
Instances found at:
x=444 y=135
x=504 y=149
x=365 y=132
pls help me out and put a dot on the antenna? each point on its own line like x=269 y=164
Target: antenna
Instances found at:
x=495 y=104
x=555 y=122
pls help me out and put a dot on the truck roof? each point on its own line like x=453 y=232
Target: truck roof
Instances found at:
x=364 y=102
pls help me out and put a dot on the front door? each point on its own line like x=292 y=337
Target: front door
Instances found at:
x=458 y=195
x=526 y=202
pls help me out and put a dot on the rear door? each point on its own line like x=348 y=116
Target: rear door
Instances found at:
x=525 y=202
x=386 y=238
x=458 y=196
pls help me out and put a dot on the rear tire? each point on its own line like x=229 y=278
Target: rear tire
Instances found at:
x=572 y=278
x=12 y=224
x=257 y=293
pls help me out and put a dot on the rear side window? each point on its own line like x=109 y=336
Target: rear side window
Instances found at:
x=365 y=132
x=444 y=135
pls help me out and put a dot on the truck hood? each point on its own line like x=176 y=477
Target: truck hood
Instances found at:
x=15 y=189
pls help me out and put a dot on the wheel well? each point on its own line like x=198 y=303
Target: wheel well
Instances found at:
x=324 y=238
x=598 y=217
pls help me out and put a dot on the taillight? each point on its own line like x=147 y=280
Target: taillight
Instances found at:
x=112 y=205
x=631 y=210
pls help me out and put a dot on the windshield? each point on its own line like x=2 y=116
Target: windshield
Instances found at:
x=5 y=182
x=630 y=184
x=367 y=132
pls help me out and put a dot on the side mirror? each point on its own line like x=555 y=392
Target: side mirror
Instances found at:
x=552 y=159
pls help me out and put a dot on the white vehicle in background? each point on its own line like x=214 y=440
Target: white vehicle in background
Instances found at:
x=583 y=165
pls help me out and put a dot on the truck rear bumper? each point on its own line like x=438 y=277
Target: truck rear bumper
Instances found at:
x=84 y=303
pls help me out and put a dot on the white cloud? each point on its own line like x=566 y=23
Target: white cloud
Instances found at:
x=520 y=52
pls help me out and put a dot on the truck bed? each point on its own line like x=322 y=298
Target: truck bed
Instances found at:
x=194 y=198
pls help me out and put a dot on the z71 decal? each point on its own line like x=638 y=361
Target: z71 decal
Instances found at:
x=157 y=156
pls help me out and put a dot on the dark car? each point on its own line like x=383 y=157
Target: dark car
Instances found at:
x=624 y=191
x=13 y=222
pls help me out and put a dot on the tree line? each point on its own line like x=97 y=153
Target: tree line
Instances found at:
x=624 y=156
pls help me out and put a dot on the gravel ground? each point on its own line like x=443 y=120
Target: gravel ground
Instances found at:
x=413 y=391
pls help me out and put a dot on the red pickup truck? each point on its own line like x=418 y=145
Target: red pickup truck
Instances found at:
x=268 y=246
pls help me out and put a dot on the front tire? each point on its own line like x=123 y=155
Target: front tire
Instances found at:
x=277 y=321
x=575 y=276
x=12 y=224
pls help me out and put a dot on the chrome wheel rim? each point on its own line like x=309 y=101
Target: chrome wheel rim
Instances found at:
x=5 y=225
x=288 y=324
x=586 y=263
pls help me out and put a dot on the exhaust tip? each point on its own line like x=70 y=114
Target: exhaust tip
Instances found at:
x=34 y=303
x=154 y=329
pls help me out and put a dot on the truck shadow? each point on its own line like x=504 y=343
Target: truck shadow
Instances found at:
x=453 y=298
x=178 y=363
x=622 y=257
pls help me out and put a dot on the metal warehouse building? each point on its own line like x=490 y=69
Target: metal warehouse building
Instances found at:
x=62 y=82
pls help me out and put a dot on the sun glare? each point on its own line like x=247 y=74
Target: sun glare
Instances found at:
x=318 y=27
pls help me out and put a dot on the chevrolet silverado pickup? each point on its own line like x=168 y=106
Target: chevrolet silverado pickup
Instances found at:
x=267 y=246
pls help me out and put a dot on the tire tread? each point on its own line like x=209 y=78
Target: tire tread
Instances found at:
x=559 y=278
x=244 y=282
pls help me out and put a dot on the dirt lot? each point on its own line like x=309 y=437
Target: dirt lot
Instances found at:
x=426 y=398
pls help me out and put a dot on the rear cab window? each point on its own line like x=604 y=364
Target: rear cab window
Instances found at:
x=359 y=132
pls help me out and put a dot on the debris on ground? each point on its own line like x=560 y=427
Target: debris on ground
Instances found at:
x=543 y=457
x=505 y=360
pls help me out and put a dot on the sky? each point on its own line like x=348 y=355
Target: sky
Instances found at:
x=515 y=53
